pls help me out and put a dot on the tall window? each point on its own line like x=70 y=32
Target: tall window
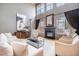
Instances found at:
x=40 y=8
x=49 y=6
x=59 y=4
x=61 y=23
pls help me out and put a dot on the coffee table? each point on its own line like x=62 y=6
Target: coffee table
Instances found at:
x=48 y=49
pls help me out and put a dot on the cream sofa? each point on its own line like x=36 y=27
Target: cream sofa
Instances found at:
x=39 y=52
x=64 y=47
x=11 y=46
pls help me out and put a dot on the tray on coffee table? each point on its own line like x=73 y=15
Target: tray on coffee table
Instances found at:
x=35 y=42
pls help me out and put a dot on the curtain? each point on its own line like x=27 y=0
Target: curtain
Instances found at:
x=73 y=18
x=37 y=23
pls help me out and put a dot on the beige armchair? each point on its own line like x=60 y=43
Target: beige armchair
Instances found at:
x=64 y=47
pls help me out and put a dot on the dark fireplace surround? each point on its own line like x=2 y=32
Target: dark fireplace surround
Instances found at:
x=50 y=32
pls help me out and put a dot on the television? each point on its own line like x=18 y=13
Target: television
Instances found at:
x=73 y=18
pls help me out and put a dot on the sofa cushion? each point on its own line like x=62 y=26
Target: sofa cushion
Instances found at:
x=20 y=49
x=66 y=39
x=6 y=49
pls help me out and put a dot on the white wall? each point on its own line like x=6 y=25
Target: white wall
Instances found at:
x=8 y=15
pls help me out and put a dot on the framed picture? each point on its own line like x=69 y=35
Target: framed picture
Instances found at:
x=20 y=22
x=50 y=20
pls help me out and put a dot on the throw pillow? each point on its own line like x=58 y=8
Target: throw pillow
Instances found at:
x=8 y=34
x=9 y=37
x=75 y=39
x=74 y=35
x=3 y=38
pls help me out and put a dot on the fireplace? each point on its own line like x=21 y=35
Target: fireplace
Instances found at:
x=50 y=32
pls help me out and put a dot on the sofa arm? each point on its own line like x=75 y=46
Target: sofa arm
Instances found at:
x=20 y=49
x=63 y=49
x=39 y=52
x=6 y=49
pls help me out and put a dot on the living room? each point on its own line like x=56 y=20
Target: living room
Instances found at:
x=38 y=29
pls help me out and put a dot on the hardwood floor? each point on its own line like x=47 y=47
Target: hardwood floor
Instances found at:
x=49 y=46
x=50 y=40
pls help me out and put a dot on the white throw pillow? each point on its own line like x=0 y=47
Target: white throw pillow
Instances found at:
x=3 y=38
x=9 y=37
x=74 y=35
x=20 y=49
x=6 y=49
x=75 y=39
x=8 y=34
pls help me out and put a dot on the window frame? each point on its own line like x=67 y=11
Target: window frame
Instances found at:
x=60 y=30
x=60 y=20
x=59 y=4
x=40 y=9
x=49 y=5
